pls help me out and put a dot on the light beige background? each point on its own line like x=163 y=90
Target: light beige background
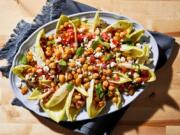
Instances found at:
x=150 y=114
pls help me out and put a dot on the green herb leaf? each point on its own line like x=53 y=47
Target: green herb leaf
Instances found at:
x=99 y=91
x=50 y=42
x=99 y=41
x=62 y=63
x=23 y=60
x=69 y=87
x=80 y=51
x=94 y=45
x=108 y=57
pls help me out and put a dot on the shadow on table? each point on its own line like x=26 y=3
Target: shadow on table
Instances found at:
x=154 y=98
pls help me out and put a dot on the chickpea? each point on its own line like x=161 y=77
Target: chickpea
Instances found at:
x=138 y=79
x=90 y=68
x=69 y=76
x=75 y=75
x=90 y=51
x=97 y=99
x=108 y=72
x=52 y=65
x=131 y=92
x=72 y=105
x=110 y=93
x=78 y=81
x=72 y=64
x=82 y=60
x=116 y=38
x=87 y=85
x=122 y=34
x=29 y=57
x=114 y=99
x=52 y=72
x=85 y=74
x=101 y=103
x=73 y=50
x=111 y=88
x=85 y=80
x=85 y=67
x=57 y=53
x=61 y=78
x=48 y=52
x=73 y=72
x=24 y=90
x=117 y=34
x=129 y=58
x=79 y=70
x=105 y=83
x=103 y=77
x=77 y=97
x=61 y=27
x=95 y=75
x=53 y=84
x=98 y=49
x=68 y=51
x=50 y=37
x=65 y=56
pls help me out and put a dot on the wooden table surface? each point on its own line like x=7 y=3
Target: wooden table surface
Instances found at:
x=150 y=114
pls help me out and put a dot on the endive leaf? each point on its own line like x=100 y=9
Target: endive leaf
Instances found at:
x=56 y=113
x=18 y=70
x=58 y=96
x=90 y=107
x=136 y=35
x=131 y=51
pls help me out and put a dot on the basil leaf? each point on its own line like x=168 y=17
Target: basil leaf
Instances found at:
x=69 y=86
x=62 y=63
x=23 y=60
x=80 y=51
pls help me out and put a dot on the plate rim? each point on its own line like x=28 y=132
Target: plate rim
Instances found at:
x=71 y=16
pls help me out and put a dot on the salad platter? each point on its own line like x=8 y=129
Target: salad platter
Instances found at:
x=84 y=66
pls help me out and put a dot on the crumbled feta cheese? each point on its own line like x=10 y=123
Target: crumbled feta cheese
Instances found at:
x=33 y=79
x=43 y=77
x=39 y=70
x=135 y=75
x=130 y=61
x=83 y=19
x=112 y=64
x=112 y=45
x=89 y=73
x=27 y=76
x=98 y=54
x=78 y=63
x=139 y=45
x=58 y=40
x=109 y=34
x=46 y=68
x=19 y=84
x=80 y=76
x=108 y=66
x=122 y=59
x=129 y=73
x=81 y=30
x=99 y=65
x=118 y=54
